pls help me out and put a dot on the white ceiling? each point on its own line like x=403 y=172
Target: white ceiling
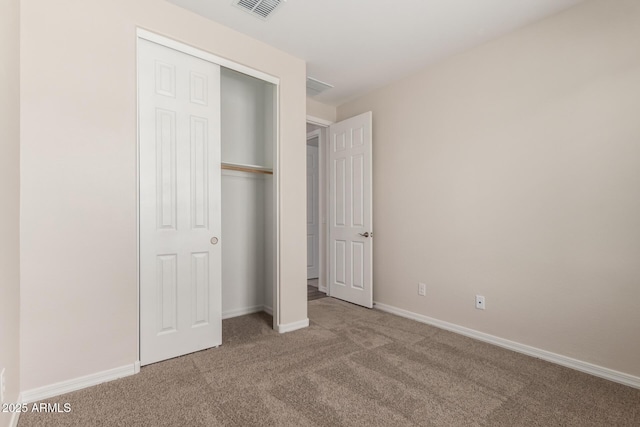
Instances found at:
x=360 y=45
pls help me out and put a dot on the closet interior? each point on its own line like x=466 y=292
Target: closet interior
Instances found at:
x=248 y=131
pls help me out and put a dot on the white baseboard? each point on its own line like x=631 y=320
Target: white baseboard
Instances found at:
x=68 y=386
x=268 y=310
x=322 y=288
x=289 y=327
x=578 y=365
x=242 y=311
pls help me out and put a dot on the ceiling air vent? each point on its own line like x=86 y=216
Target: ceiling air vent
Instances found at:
x=259 y=8
x=316 y=87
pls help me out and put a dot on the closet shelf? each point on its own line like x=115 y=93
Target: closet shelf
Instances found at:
x=246 y=168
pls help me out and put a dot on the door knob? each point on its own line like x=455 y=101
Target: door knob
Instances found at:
x=214 y=240
x=365 y=234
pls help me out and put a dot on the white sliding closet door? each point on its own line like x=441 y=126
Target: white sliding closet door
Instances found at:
x=180 y=224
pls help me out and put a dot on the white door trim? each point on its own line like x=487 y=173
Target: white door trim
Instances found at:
x=314 y=134
x=207 y=56
x=315 y=205
x=275 y=309
x=318 y=121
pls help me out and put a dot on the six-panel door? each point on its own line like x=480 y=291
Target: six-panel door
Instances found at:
x=180 y=224
x=350 y=206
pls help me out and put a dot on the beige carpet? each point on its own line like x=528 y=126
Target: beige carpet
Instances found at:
x=351 y=367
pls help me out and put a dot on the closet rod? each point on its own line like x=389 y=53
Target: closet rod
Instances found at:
x=231 y=167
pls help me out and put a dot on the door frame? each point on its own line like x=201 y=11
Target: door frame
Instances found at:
x=311 y=135
x=323 y=205
x=143 y=34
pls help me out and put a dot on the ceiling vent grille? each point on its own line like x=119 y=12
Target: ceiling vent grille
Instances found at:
x=259 y=8
x=316 y=87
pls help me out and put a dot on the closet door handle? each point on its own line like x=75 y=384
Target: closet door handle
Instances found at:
x=365 y=234
x=214 y=240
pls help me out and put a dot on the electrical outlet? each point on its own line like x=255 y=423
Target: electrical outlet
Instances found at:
x=3 y=386
x=480 y=302
x=422 y=289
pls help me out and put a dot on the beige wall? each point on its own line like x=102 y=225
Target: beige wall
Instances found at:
x=511 y=171
x=321 y=111
x=10 y=196
x=79 y=273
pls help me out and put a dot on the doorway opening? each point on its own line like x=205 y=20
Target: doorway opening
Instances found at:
x=345 y=208
x=317 y=208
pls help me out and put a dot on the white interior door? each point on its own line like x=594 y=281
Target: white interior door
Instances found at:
x=179 y=177
x=350 y=210
x=313 y=224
